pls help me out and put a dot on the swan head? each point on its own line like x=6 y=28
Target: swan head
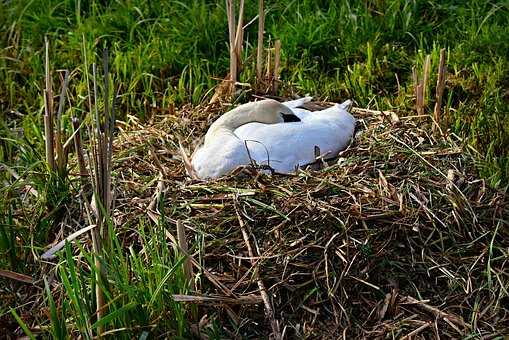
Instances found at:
x=267 y=111
x=270 y=111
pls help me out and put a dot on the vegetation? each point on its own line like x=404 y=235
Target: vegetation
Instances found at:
x=171 y=54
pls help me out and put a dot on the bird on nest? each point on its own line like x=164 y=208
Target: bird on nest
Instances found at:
x=280 y=137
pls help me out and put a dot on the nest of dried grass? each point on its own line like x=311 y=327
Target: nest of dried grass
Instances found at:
x=398 y=237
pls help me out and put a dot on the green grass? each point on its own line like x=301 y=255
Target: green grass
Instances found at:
x=172 y=53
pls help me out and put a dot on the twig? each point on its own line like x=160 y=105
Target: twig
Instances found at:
x=436 y=312
x=241 y=300
x=16 y=276
x=269 y=310
x=416 y=331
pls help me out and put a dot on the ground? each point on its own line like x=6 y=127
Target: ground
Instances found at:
x=404 y=234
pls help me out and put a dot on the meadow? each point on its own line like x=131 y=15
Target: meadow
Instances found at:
x=167 y=58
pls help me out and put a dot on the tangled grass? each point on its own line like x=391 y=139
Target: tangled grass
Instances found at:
x=397 y=237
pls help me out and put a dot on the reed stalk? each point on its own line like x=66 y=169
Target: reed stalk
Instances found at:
x=102 y=151
x=442 y=69
x=48 y=112
x=277 y=60
x=259 y=51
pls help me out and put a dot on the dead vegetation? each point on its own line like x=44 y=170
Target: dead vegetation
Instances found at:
x=396 y=238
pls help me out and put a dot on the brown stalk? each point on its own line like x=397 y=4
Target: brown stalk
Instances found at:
x=102 y=160
x=239 y=36
x=442 y=69
x=268 y=64
x=96 y=234
x=230 y=12
x=61 y=156
x=181 y=236
x=16 y=276
x=241 y=300
x=259 y=51
x=48 y=112
x=419 y=100
x=436 y=312
x=425 y=77
x=277 y=60
x=79 y=151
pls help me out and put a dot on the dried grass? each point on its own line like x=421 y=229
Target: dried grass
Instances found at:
x=398 y=237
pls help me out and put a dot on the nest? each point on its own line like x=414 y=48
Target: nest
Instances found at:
x=397 y=237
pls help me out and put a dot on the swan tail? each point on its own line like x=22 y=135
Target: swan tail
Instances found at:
x=344 y=110
x=292 y=104
x=346 y=105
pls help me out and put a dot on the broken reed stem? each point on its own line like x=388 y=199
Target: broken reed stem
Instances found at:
x=259 y=51
x=230 y=12
x=415 y=80
x=79 y=152
x=108 y=138
x=397 y=82
x=253 y=253
x=277 y=60
x=61 y=157
x=419 y=100
x=182 y=241
x=268 y=63
x=439 y=89
x=96 y=234
x=425 y=77
x=101 y=145
x=239 y=36
x=48 y=112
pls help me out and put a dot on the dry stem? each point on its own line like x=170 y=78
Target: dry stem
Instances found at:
x=440 y=89
x=259 y=51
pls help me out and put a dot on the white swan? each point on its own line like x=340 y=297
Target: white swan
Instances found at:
x=279 y=135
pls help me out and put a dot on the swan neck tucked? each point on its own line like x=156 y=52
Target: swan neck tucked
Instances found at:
x=228 y=122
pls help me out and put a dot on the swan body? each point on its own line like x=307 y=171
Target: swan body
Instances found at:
x=222 y=151
x=286 y=147
x=267 y=132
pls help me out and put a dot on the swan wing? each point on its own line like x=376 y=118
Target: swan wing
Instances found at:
x=297 y=102
x=219 y=157
x=289 y=145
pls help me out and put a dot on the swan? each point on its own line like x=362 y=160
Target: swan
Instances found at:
x=280 y=136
